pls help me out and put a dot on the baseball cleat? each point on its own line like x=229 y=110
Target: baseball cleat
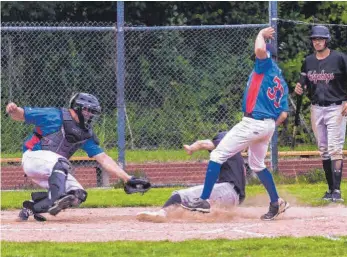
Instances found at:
x=197 y=204
x=275 y=209
x=24 y=214
x=152 y=216
x=61 y=204
x=327 y=196
x=27 y=211
x=336 y=196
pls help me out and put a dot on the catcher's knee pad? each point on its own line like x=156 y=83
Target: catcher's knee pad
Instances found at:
x=38 y=196
x=57 y=180
x=80 y=194
x=63 y=165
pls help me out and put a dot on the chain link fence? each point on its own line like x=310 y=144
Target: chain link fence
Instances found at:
x=184 y=85
x=43 y=66
x=181 y=85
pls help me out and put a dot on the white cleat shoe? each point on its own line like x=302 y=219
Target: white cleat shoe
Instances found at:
x=152 y=216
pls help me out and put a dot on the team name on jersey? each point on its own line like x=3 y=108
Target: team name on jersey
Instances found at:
x=315 y=77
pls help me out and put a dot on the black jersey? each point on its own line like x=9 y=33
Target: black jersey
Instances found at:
x=326 y=79
x=232 y=170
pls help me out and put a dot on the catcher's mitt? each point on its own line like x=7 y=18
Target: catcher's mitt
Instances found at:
x=137 y=185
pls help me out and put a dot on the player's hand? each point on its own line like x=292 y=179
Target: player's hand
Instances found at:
x=11 y=108
x=344 y=109
x=187 y=149
x=298 y=89
x=268 y=33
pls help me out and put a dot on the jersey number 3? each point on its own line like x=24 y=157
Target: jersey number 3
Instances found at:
x=276 y=93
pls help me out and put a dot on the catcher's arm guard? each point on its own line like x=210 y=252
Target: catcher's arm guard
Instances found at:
x=137 y=185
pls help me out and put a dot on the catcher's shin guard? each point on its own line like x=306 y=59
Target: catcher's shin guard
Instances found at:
x=57 y=180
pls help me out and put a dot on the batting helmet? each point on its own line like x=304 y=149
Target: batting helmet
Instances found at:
x=87 y=108
x=320 y=32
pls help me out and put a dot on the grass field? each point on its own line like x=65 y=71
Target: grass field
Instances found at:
x=284 y=246
x=305 y=194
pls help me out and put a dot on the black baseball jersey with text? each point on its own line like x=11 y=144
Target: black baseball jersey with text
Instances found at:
x=326 y=79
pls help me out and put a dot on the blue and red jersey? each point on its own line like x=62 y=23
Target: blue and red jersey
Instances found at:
x=48 y=121
x=266 y=95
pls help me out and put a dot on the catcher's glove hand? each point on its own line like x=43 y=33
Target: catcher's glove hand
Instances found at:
x=137 y=185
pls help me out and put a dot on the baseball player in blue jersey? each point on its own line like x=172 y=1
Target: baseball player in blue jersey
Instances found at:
x=265 y=106
x=58 y=134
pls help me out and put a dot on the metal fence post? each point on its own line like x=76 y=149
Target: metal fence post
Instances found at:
x=120 y=84
x=274 y=140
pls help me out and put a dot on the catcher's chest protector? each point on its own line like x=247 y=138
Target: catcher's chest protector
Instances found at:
x=68 y=139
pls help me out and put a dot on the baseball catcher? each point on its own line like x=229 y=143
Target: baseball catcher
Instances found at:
x=58 y=134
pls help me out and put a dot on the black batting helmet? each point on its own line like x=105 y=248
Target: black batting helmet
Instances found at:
x=320 y=32
x=87 y=108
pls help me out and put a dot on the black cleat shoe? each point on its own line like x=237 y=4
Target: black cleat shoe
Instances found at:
x=327 y=196
x=336 y=196
x=275 y=209
x=28 y=210
x=61 y=204
x=197 y=204
x=24 y=214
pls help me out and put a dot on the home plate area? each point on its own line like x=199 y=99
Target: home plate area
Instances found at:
x=110 y=224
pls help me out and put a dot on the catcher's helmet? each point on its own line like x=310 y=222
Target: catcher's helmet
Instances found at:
x=320 y=32
x=87 y=108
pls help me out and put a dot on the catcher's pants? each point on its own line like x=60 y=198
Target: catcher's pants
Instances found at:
x=329 y=128
x=38 y=166
x=251 y=133
x=222 y=194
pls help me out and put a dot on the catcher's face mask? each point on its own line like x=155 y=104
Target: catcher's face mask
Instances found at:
x=90 y=116
x=87 y=108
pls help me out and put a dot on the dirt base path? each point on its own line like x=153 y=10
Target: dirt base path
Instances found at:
x=86 y=225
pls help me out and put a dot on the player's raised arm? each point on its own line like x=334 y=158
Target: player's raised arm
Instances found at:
x=15 y=112
x=260 y=44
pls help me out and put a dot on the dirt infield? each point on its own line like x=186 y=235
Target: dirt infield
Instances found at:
x=86 y=225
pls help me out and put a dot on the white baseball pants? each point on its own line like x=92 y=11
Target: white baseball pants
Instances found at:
x=251 y=133
x=329 y=128
x=38 y=166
